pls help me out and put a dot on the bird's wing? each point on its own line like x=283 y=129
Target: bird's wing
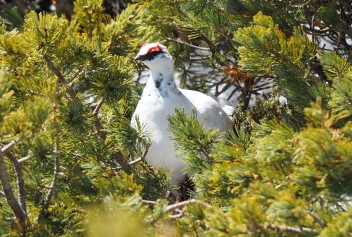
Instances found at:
x=208 y=108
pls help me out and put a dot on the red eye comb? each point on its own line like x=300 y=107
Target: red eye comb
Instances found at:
x=155 y=49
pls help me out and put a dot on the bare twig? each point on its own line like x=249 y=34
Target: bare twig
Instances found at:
x=148 y=202
x=97 y=123
x=23 y=159
x=178 y=205
x=2 y=193
x=176 y=216
x=178 y=208
x=290 y=229
x=142 y=158
x=5 y=148
x=97 y=107
x=188 y=44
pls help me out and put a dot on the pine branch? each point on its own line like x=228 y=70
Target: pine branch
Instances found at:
x=53 y=184
x=120 y=159
x=20 y=180
x=118 y=156
x=97 y=123
x=18 y=206
x=316 y=218
x=8 y=191
x=72 y=93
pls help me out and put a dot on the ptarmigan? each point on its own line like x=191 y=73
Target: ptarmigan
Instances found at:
x=159 y=99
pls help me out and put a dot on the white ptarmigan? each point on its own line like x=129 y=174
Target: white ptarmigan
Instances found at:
x=159 y=99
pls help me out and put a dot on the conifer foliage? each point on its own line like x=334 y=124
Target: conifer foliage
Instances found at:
x=71 y=165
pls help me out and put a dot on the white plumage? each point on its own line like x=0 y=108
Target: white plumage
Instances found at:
x=159 y=99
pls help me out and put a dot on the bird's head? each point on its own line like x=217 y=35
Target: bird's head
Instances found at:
x=154 y=55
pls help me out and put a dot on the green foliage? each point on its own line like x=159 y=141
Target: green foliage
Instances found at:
x=192 y=140
x=67 y=96
x=265 y=50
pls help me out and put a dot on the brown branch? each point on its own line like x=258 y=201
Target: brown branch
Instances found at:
x=148 y=202
x=53 y=184
x=173 y=207
x=23 y=159
x=316 y=218
x=118 y=156
x=97 y=123
x=178 y=208
x=120 y=159
x=142 y=158
x=97 y=107
x=8 y=191
x=18 y=206
x=21 y=5
x=290 y=229
x=188 y=44
x=72 y=93
x=7 y=147
x=20 y=181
